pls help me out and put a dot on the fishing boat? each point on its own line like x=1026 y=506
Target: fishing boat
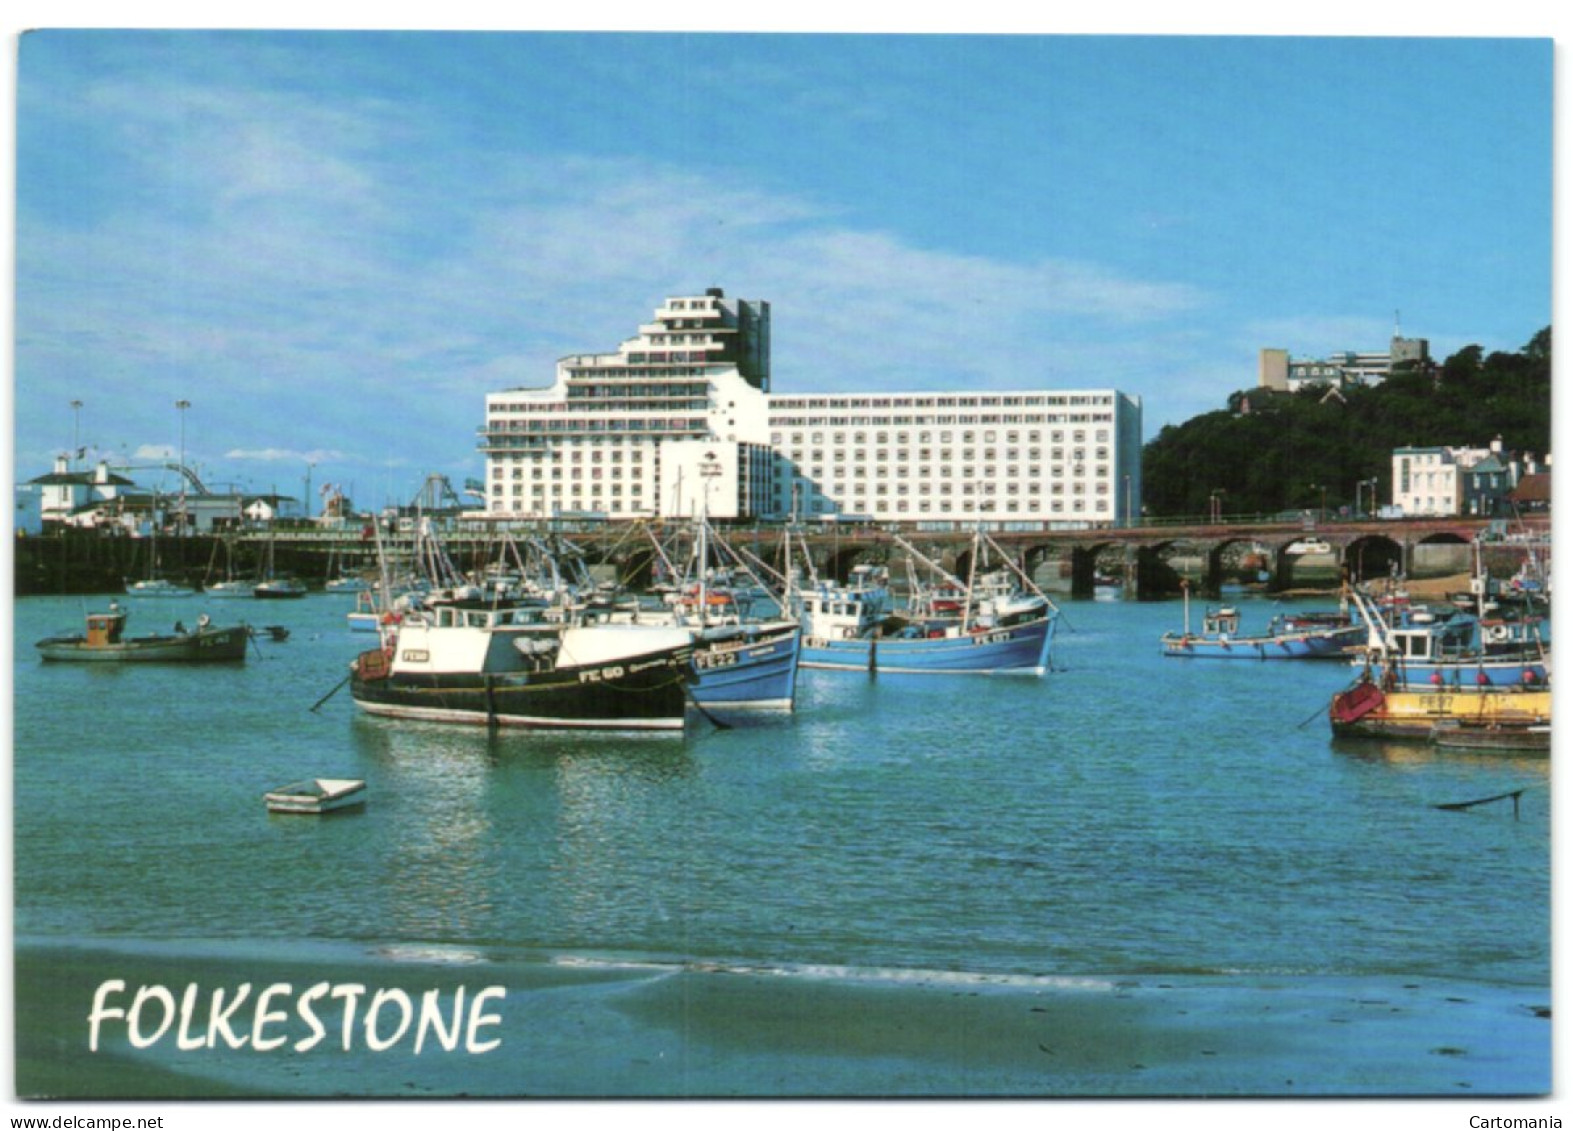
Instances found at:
x=742 y=660
x=316 y=795
x=1001 y=623
x=1377 y=708
x=1526 y=736
x=105 y=641
x=1288 y=636
x=507 y=665
x=1447 y=648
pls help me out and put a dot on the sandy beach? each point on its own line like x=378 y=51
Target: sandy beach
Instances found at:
x=573 y=1027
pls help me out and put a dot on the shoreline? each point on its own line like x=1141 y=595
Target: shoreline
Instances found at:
x=603 y=1028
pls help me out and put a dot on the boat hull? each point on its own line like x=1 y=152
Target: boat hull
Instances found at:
x=205 y=646
x=1017 y=650
x=638 y=693
x=753 y=674
x=1366 y=711
x=1510 y=737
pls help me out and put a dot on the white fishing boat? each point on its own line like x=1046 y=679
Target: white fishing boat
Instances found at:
x=316 y=795
x=158 y=587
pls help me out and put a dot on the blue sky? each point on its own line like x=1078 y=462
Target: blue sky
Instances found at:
x=334 y=244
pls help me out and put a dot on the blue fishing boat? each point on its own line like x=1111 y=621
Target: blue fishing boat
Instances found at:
x=997 y=623
x=742 y=660
x=1288 y=636
x=1447 y=648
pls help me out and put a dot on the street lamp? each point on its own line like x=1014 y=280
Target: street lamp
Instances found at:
x=181 y=406
x=1215 y=505
x=76 y=430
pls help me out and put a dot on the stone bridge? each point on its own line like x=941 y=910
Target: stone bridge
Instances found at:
x=1150 y=561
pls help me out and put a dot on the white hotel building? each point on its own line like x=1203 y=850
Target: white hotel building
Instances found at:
x=681 y=419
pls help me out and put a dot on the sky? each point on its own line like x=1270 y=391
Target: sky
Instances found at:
x=333 y=244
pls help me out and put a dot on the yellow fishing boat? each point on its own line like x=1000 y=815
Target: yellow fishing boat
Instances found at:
x=1367 y=710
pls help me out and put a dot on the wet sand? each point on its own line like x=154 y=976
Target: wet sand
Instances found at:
x=599 y=1029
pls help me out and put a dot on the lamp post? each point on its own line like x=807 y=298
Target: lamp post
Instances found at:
x=1321 y=513
x=181 y=406
x=1215 y=505
x=76 y=430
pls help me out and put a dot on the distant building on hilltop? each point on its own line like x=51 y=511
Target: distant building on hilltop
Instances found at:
x=1278 y=372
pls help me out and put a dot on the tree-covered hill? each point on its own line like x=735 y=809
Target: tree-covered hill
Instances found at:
x=1270 y=452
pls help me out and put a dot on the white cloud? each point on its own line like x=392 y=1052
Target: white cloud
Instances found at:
x=284 y=455
x=312 y=278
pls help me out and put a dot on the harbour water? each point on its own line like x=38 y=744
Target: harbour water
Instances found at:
x=1128 y=819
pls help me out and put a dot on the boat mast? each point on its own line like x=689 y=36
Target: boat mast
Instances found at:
x=972 y=577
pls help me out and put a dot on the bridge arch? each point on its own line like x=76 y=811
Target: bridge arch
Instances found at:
x=1373 y=556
